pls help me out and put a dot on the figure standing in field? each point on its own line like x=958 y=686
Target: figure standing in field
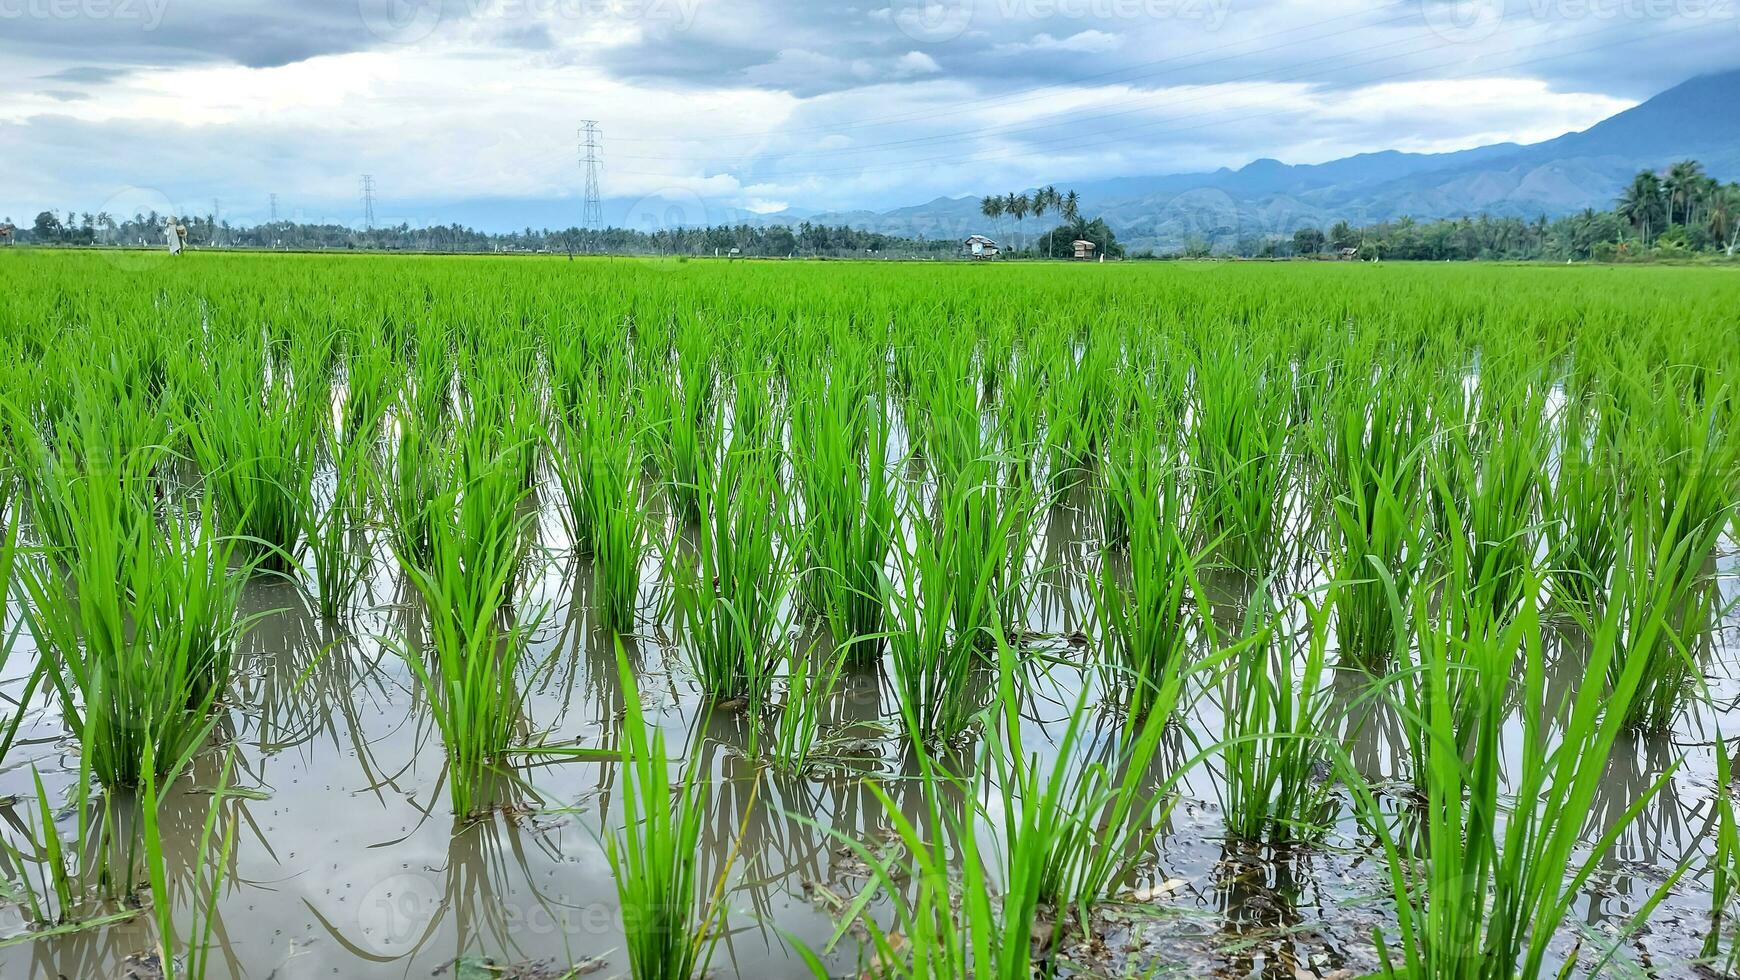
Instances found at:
x=176 y=234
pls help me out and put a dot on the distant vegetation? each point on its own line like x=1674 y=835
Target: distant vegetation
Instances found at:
x=1677 y=214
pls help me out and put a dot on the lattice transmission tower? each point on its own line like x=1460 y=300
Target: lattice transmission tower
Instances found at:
x=368 y=196
x=591 y=160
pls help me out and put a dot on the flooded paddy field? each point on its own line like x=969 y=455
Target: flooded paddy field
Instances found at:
x=1193 y=621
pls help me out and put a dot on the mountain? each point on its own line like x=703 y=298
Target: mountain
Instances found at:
x=1698 y=119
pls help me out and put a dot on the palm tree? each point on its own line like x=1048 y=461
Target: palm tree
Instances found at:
x=1017 y=205
x=1681 y=185
x=1071 y=208
x=992 y=208
x=1725 y=217
x=1641 y=204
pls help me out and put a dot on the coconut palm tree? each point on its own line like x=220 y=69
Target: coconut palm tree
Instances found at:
x=1018 y=205
x=1642 y=203
x=1681 y=184
x=992 y=208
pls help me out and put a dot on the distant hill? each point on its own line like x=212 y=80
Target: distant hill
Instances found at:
x=1698 y=119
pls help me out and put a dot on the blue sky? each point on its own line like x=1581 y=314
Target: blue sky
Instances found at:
x=759 y=105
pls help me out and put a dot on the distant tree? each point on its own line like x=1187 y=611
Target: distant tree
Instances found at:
x=1642 y=205
x=1342 y=235
x=47 y=227
x=1308 y=241
x=1017 y=206
x=1070 y=207
x=992 y=208
x=1683 y=181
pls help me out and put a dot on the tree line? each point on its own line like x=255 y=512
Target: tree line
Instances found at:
x=1678 y=213
x=806 y=239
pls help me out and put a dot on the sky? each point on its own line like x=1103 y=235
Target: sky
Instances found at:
x=462 y=108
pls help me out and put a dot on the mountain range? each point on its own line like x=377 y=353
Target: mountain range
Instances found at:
x=1698 y=119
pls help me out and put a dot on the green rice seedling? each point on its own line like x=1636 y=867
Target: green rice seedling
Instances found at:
x=732 y=596
x=1375 y=446
x=812 y=674
x=1582 y=509
x=137 y=633
x=1238 y=452
x=1073 y=828
x=1724 y=867
x=1500 y=831
x=332 y=523
x=466 y=585
x=939 y=931
x=1667 y=603
x=409 y=483
x=1488 y=481
x=930 y=665
x=1273 y=787
x=840 y=427
x=672 y=919
x=253 y=435
x=1142 y=598
x=211 y=855
x=619 y=522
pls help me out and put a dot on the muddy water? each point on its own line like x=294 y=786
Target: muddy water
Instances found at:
x=348 y=862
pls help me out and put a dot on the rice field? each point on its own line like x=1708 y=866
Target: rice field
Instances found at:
x=385 y=617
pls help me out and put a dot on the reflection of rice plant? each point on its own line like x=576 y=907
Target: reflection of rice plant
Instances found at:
x=211 y=857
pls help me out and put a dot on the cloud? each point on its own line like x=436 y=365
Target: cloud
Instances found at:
x=754 y=102
x=1084 y=42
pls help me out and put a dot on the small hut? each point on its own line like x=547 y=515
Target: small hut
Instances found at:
x=1347 y=254
x=1084 y=249
x=979 y=247
x=6 y=234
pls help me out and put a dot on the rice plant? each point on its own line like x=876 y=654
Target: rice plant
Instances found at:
x=1490 y=863
x=1375 y=447
x=1276 y=707
x=732 y=596
x=1238 y=454
x=1143 y=600
x=478 y=643
x=672 y=915
x=840 y=429
x=137 y=633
